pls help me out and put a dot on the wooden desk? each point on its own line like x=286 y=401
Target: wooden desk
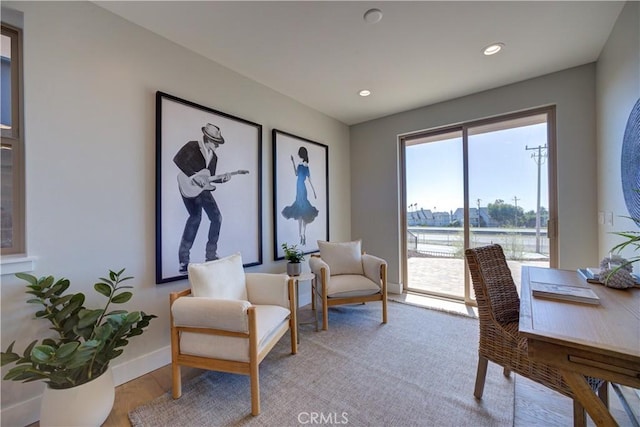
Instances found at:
x=601 y=341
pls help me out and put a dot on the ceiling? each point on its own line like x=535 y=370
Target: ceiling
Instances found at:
x=322 y=53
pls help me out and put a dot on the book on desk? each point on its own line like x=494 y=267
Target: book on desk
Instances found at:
x=564 y=293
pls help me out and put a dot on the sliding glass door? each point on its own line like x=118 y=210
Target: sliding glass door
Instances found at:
x=476 y=184
x=435 y=193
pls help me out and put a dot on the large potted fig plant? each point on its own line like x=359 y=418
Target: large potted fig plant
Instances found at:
x=75 y=362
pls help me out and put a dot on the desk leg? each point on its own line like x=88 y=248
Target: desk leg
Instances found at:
x=592 y=404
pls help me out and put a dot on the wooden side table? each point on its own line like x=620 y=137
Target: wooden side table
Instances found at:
x=303 y=277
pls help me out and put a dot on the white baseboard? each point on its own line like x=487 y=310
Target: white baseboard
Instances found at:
x=23 y=413
x=28 y=411
x=394 y=288
x=141 y=365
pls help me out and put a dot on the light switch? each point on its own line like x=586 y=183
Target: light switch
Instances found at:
x=609 y=218
x=601 y=218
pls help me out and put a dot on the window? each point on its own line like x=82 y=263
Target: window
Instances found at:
x=12 y=233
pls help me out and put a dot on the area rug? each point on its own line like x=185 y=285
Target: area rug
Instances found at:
x=417 y=370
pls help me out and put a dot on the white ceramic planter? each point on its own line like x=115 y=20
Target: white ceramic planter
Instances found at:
x=86 y=405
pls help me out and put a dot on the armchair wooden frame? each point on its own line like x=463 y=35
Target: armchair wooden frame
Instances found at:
x=320 y=291
x=250 y=368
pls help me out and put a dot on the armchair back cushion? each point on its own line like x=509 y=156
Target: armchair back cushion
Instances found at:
x=342 y=257
x=221 y=279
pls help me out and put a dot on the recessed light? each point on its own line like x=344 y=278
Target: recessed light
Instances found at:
x=364 y=92
x=372 y=16
x=493 y=49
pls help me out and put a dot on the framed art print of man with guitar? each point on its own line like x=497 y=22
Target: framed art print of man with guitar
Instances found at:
x=197 y=179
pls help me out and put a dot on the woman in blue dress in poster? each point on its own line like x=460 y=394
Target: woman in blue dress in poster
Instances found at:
x=301 y=209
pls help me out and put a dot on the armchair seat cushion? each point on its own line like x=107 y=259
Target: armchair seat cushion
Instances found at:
x=269 y=318
x=351 y=285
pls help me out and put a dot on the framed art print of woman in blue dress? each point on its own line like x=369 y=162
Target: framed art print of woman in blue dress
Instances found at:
x=301 y=209
x=301 y=199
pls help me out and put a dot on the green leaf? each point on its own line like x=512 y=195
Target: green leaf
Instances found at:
x=66 y=350
x=80 y=358
x=8 y=357
x=122 y=298
x=103 y=289
x=46 y=282
x=27 y=351
x=88 y=317
x=62 y=285
x=103 y=332
x=28 y=278
x=107 y=281
x=42 y=353
x=62 y=300
x=74 y=304
x=16 y=373
x=35 y=301
x=10 y=348
x=135 y=331
x=52 y=292
x=133 y=317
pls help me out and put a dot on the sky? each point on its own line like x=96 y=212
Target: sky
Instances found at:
x=500 y=167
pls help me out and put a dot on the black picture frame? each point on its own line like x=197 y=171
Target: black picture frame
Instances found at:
x=301 y=227
x=238 y=152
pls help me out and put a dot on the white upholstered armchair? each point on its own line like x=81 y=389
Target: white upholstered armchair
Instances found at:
x=344 y=275
x=229 y=320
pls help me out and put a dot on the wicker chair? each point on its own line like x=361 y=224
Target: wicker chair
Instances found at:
x=500 y=340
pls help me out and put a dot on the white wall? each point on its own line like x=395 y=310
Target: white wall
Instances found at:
x=90 y=83
x=375 y=172
x=618 y=89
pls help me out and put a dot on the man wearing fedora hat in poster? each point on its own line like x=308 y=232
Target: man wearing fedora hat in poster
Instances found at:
x=197 y=162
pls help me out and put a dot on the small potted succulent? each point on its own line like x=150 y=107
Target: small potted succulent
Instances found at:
x=294 y=256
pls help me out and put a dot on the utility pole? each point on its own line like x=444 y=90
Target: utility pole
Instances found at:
x=515 y=199
x=538 y=156
x=478 y=213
